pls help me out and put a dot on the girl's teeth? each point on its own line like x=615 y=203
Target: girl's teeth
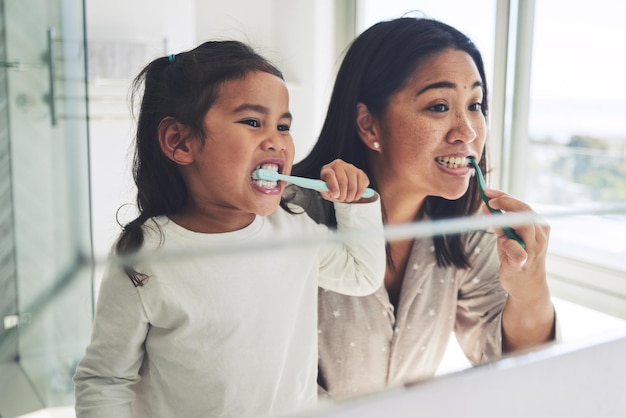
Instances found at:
x=266 y=184
x=269 y=167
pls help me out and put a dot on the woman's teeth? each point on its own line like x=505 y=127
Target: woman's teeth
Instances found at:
x=453 y=162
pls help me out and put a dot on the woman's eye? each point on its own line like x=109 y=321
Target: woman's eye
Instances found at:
x=476 y=107
x=439 y=108
x=284 y=128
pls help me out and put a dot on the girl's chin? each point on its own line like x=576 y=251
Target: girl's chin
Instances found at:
x=266 y=210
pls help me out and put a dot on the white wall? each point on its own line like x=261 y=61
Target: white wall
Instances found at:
x=131 y=20
x=297 y=35
x=122 y=36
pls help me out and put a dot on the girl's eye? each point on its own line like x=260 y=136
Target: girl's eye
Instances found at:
x=284 y=128
x=439 y=108
x=251 y=122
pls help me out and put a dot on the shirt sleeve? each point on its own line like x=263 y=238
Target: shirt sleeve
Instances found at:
x=355 y=265
x=481 y=301
x=106 y=376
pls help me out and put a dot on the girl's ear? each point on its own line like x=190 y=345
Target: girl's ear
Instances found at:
x=174 y=141
x=366 y=127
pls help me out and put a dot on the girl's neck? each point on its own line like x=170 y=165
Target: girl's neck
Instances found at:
x=198 y=221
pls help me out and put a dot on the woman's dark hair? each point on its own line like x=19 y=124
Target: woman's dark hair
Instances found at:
x=378 y=64
x=182 y=86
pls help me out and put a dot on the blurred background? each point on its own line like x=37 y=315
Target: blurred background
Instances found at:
x=557 y=140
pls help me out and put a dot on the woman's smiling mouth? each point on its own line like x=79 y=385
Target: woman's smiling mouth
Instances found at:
x=453 y=162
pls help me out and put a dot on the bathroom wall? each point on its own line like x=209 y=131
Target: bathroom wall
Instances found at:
x=8 y=296
x=120 y=44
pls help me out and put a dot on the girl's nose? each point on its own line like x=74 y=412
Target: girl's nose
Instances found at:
x=275 y=142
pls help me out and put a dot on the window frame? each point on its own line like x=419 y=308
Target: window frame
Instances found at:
x=569 y=279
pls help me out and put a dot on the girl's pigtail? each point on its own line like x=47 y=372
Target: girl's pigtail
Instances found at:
x=146 y=89
x=128 y=244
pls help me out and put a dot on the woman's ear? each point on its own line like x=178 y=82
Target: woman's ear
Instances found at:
x=174 y=141
x=366 y=127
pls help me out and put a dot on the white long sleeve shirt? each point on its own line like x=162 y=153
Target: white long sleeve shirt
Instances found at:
x=231 y=334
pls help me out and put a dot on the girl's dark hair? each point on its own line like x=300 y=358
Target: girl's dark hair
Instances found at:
x=378 y=64
x=183 y=86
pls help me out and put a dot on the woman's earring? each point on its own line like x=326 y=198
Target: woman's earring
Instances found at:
x=376 y=145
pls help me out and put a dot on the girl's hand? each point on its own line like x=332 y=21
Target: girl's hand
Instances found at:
x=522 y=271
x=346 y=183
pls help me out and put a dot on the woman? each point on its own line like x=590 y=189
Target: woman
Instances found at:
x=409 y=107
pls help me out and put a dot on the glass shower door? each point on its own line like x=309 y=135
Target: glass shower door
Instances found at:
x=45 y=244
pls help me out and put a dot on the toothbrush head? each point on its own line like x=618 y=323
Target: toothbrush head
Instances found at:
x=264 y=174
x=481 y=180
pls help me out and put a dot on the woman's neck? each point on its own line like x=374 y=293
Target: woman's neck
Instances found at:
x=400 y=200
x=400 y=206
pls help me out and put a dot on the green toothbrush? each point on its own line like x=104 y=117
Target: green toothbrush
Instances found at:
x=509 y=232
x=319 y=185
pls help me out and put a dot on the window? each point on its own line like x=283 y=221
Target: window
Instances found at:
x=576 y=146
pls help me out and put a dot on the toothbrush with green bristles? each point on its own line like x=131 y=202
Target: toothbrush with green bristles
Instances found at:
x=509 y=232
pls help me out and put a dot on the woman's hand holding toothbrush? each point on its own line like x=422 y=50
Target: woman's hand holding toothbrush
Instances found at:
x=528 y=310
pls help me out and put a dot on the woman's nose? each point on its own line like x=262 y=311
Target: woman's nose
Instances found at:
x=463 y=129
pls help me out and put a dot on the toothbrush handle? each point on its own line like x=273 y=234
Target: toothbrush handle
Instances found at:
x=511 y=234
x=508 y=231
x=319 y=185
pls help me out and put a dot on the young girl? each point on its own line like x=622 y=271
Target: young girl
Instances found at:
x=230 y=334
